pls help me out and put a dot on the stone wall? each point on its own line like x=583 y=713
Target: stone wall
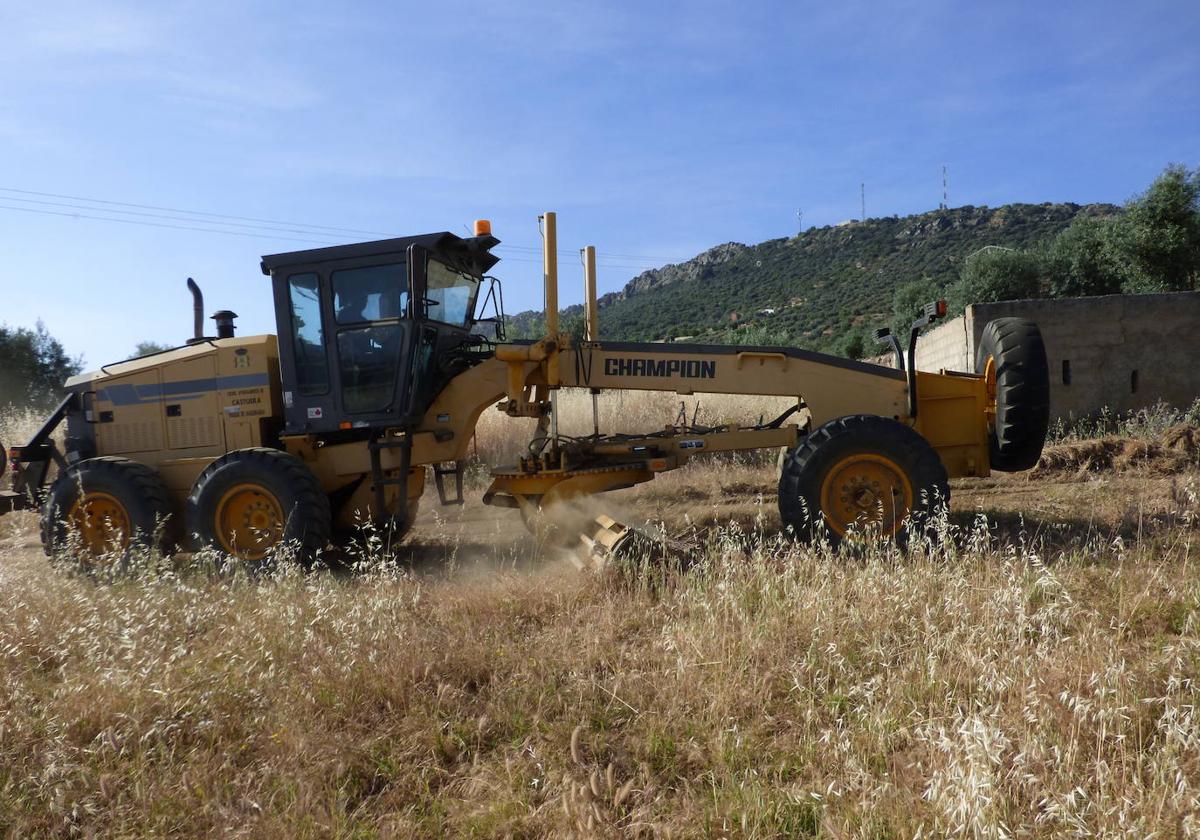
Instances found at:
x=1122 y=352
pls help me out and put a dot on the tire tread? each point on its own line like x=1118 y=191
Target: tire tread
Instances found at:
x=799 y=482
x=311 y=502
x=1022 y=391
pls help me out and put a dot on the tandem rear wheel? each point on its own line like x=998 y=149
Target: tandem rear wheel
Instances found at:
x=861 y=474
x=101 y=510
x=250 y=503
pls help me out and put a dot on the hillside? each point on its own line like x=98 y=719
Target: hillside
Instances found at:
x=809 y=289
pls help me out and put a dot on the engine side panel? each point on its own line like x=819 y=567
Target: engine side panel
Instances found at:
x=179 y=410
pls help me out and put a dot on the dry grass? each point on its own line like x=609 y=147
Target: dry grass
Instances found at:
x=18 y=425
x=1034 y=677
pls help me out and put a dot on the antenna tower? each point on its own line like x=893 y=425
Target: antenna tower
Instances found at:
x=862 y=195
x=945 y=189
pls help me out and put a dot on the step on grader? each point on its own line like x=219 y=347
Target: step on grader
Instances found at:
x=384 y=359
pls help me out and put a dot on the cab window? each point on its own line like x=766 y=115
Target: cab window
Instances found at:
x=368 y=304
x=308 y=343
x=371 y=293
x=450 y=294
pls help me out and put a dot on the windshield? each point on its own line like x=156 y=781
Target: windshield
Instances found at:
x=451 y=294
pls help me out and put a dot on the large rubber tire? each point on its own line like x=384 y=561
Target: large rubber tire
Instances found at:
x=861 y=462
x=113 y=505
x=1018 y=354
x=250 y=501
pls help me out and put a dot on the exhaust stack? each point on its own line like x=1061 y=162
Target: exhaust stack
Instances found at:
x=197 y=310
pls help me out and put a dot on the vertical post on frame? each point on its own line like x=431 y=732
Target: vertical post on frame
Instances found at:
x=589 y=293
x=550 y=269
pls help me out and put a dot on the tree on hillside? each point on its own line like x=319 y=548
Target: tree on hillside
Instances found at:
x=755 y=335
x=1153 y=245
x=1160 y=234
x=33 y=367
x=856 y=344
x=992 y=274
x=909 y=300
x=1086 y=259
x=148 y=348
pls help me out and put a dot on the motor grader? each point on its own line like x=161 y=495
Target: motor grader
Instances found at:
x=384 y=360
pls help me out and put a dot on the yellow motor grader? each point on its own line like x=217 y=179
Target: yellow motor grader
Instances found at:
x=383 y=363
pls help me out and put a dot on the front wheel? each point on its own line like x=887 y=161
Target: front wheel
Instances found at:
x=861 y=472
x=250 y=502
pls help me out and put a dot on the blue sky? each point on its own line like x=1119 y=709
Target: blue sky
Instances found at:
x=655 y=130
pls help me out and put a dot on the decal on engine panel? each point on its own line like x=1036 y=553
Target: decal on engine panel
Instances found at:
x=247 y=401
x=684 y=368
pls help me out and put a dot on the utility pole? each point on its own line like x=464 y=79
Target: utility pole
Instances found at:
x=800 y=219
x=862 y=194
x=945 y=189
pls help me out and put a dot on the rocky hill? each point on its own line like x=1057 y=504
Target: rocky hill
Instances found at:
x=810 y=289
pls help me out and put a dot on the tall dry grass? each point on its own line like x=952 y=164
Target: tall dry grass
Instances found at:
x=983 y=689
x=1001 y=685
x=18 y=425
x=1141 y=424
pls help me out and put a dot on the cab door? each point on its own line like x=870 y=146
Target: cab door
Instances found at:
x=444 y=299
x=417 y=370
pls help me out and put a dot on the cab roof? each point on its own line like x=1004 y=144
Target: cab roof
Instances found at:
x=476 y=250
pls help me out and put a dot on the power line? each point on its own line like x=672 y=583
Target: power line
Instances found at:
x=259 y=228
x=190 y=212
x=143 y=214
x=574 y=253
x=290 y=227
x=74 y=212
x=157 y=225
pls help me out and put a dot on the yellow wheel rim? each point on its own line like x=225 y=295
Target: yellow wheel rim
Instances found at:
x=101 y=522
x=249 y=521
x=866 y=489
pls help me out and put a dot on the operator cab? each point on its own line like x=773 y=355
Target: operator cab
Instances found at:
x=370 y=332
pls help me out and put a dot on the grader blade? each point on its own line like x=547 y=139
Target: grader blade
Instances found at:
x=605 y=541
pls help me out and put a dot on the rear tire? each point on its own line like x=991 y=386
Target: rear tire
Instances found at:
x=250 y=501
x=857 y=470
x=111 y=505
x=1018 y=356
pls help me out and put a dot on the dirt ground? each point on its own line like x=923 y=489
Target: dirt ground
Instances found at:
x=1054 y=508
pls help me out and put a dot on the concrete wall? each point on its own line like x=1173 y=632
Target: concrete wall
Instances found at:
x=1122 y=352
